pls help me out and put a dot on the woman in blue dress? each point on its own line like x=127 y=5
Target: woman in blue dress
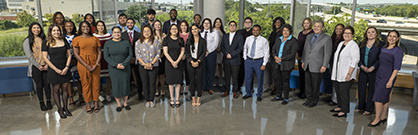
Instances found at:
x=390 y=60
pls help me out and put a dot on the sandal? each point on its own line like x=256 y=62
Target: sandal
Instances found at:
x=72 y=104
x=90 y=111
x=366 y=113
x=178 y=103
x=172 y=103
x=80 y=98
x=97 y=110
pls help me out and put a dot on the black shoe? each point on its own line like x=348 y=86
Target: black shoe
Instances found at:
x=259 y=99
x=43 y=107
x=140 y=96
x=277 y=99
x=118 y=109
x=371 y=125
x=48 y=105
x=383 y=121
x=332 y=103
x=285 y=102
x=127 y=107
x=61 y=113
x=336 y=115
x=333 y=110
x=245 y=97
x=311 y=105
x=66 y=112
x=306 y=103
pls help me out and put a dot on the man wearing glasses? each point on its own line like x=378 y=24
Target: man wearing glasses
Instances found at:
x=246 y=32
x=173 y=20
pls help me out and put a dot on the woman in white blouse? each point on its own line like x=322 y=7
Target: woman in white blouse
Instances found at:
x=212 y=40
x=346 y=58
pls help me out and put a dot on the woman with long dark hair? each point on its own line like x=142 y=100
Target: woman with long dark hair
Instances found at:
x=195 y=53
x=56 y=53
x=160 y=35
x=88 y=52
x=277 y=25
x=370 y=49
x=219 y=27
x=69 y=34
x=104 y=36
x=337 y=38
x=212 y=41
x=184 y=33
x=390 y=60
x=173 y=46
x=37 y=68
x=90 y=18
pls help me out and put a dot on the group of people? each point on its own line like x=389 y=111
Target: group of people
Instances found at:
x=168 y=54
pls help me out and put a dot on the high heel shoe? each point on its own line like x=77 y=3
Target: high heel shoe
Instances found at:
x=172 y=103
x=43 y=107
x=61 y=113
x=383 y=121
x=371 y=125
x=67 y=112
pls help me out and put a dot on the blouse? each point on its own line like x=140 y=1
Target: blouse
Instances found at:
x=345 y=58
x=212 y=39
x=147 y=51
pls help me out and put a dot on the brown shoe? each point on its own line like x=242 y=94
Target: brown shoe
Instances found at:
x=211 y=92
x=225 y=94
x=235 y=95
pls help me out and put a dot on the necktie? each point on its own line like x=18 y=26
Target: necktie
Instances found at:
x=313 y=40
x=130 y=36
x=206 y=35
x=252 y=54
x=123 y=29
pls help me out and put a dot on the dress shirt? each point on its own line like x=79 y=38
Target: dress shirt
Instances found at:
x=348 y=57
x=231 y=37
x=261 y=49
x=147 y=52
x=212 y=40
x=194 y=52
x=175 y=22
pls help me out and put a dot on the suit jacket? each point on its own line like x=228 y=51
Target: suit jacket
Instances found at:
x=167 y=25
x=201 y=50
x=320 y=53
x=234 y=49
x=125 y=36
x=288 y=54
x=373 y=58
x=244 y=33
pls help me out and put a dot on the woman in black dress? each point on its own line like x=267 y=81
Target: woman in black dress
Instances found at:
x=59 y=61
x=173 y=46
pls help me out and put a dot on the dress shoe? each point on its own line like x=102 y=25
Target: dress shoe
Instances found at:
x=118 y=109
x=277 y=99
x=48 y=105
x=333 y=110
x=225 y=94
x=306 y=103
x=371 y=125
x=127 y=107
x=311 y=105
x=67 y=112
x=211 y=92
x=336 y=115
x=259 y=99
x=245 y=97
x=332 y=103
x=43 y=107
x=235 y=95
x=285 y=101
x=383 y=121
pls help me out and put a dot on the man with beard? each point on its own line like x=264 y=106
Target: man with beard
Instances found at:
x=132 y=36
x=246 y=32
x=122 y=24
x=151 y=19
x=173 y=20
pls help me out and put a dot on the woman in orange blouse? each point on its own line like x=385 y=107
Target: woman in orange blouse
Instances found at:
x=87 y=51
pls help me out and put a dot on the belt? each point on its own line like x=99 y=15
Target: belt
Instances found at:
x=255 y=59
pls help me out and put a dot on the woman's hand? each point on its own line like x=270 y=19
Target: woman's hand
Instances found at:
x=389 y=84
x=175 y=64
x=64 y=71
x=58 y=71
x=348 y=77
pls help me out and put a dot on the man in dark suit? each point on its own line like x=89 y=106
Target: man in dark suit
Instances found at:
x=132 y=36
x=315 y=60
x=231 y=46
x=246 y=32
x=173 y=20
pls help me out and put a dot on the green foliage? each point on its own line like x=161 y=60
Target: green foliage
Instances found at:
x=359 y=27
x=11 y=45
x=24 y=19
x=163 y=17
x=137 y=12
x=7 y=24
x=77 y=18
x=405 y=10
x=334 y=10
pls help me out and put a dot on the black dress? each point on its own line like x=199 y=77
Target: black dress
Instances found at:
x=173 y=75
x=58 y=57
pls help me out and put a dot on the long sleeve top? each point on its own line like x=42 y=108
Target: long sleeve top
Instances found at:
x=212 y=39
x=261 y=51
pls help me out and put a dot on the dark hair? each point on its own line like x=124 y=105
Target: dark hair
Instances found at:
x=222 y=25
x=122 y=14
x=160 y=24
x=31 y=36
x=94 y=20
x=151 y=11
x=210 y=23
x=50 y=40
x=349 y=28
x=178 y=36
x=397 y=42
x=310 y=22
x=142 y=37
x=197 y=15
x=334 y=35
x=130 y=19
x=321 y=22
x=104 y=25
x=116 y=28
x=190 y=40
x=80 y=26
x=365 y=38
x=281 y=23
x=257 y=26
x=288 y=26
x=249 y=19
x=173 y=10
x=74 y=31
x=187 y=25
x=232 y=22
x=55 y=17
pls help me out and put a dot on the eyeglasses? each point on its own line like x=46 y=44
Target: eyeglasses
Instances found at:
x=348 y=33
x=233 y=25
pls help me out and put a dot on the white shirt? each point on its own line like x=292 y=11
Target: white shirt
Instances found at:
x=349 y=57
x=131 y=34
x=231 y=37
x=262 y=49
x=175 y=22
x=212 y=40
x=194 y=52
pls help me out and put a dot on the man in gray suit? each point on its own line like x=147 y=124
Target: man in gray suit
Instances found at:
x=315 y=60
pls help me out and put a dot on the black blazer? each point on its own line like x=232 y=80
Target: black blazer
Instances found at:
x=235 y=49
x=373 y=58
x=166 y=26
x=288 y=54
x=201 y=50
x=125 y=36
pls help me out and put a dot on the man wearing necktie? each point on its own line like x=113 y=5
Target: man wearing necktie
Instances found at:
x=123 y=24
x=256 y=55
x=132 y=36
x=315 y=60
